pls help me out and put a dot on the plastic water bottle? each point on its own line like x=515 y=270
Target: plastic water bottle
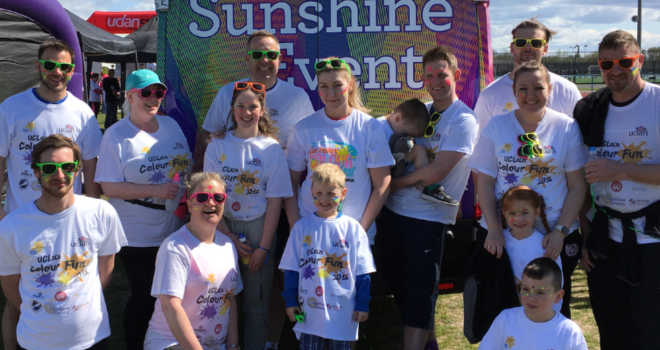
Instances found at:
x=242 y=239
x=173 y=204
x=597 y=188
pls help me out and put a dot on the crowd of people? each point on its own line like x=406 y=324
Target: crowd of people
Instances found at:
x=282 y=222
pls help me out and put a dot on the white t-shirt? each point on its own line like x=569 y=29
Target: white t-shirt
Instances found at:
x=204 y=276
x=254 y=169
x=93 y=96
x=386 y=126
x=286 y=104
x=356 y=144
x=129 y=154
x=456 y=131
x=24 y=121
x=632 y=136
x=498 y=98
x=495 y=156
x=522 y=251
x=513 y=330
x=57 y=257
x=328 y=254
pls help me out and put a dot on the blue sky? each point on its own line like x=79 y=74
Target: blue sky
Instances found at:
x=577 y=22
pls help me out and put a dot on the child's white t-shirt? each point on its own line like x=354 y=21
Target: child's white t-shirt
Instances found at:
x=456 y=131
x=563 y=151
x=253 y=169
x=522 y=251
x=513 y=330
x=286 y=104
x=26 y=120
x=386 y=126
x=328 y=254
x=498 y=98
x=57 y=257
x=632 y=136
x=356 y=144
x=204 y=276
x=129 y=154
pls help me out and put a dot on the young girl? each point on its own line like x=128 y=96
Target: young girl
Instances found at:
x=520 y=208
x=344 y=134
x=252 y=164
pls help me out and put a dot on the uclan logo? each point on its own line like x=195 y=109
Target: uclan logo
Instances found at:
x=123 y=22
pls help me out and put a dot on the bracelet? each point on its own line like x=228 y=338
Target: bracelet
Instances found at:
x=234 y=346
x=267 y=250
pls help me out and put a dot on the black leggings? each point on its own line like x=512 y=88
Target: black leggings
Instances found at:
x=102 y=345
x=140 y=265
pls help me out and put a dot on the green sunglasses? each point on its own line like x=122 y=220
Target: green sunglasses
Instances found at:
x=257 y=55
x=430 y=129
x=50 y=168
x=334 y=64
x=51 y=65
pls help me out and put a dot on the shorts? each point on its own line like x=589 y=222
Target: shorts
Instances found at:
x=412 y=252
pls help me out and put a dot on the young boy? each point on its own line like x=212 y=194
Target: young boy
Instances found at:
x=411 y=118
x=326 y=264
x=535 y=325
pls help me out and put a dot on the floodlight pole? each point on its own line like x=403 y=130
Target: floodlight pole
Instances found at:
x=639 y=23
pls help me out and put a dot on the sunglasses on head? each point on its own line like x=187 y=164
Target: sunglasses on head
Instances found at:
x=625 y=62
x=534 y=43
x=258 y=55
x=50 y=168
x=51 y=65
x=203 y=197
x=242 y=85
x=430 y=129
x=531 y=146
x=334 y=64
x=146 y=93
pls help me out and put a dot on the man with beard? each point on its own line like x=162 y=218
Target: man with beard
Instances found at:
x=29 y=117
x=62 y=259
x=530 y=43
x=112 y=96
x=622 y=124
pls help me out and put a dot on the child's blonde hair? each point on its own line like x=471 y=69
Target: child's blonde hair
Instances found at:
x=354 y=97
x=329 y=173
x=523 y=193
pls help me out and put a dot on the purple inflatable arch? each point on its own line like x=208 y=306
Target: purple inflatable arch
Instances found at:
x=50 y=15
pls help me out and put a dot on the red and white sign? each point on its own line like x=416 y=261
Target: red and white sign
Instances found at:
x=120 y=22
x=319 y=291
x=617 y=186
x=218 y=328
x=60 y=296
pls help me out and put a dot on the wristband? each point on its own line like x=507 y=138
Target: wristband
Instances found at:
x=267 y=250
x=234 y=346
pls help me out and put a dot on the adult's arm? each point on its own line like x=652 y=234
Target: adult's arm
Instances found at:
x=128 y=190
x=291 y=203
x=232 y=328
x=604 y=169
x=10 y=288
x=179 y=323
x=3 y=213
x=106 y=266
x=92 y=189
x=554 y=241
x=430 y=174
x=259 y=255
x=380 y=180
x=585 y=226
x=488 y=203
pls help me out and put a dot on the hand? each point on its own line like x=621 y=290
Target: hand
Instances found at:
x=360 y=316
x=602 y=169
x=216 y=135
x=243 y=249
x=553 y=243
x=290 y=311
x=166 y=191
x=586 y=262
x=257 y=260
x=495 y=241
x=3 y=213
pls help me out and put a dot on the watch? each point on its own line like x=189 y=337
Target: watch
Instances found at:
x=562 y=229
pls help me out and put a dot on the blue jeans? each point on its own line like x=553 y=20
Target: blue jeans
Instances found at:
x=313 y=342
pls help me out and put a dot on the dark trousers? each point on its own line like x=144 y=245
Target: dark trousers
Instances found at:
x=627 y=316
x=96 y=107
x=110 y=113
x=102 y=345
x=413 y=251
x=570 y=256
x=140 y=265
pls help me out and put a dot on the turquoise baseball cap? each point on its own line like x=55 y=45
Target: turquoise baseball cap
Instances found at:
x=142 y=78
